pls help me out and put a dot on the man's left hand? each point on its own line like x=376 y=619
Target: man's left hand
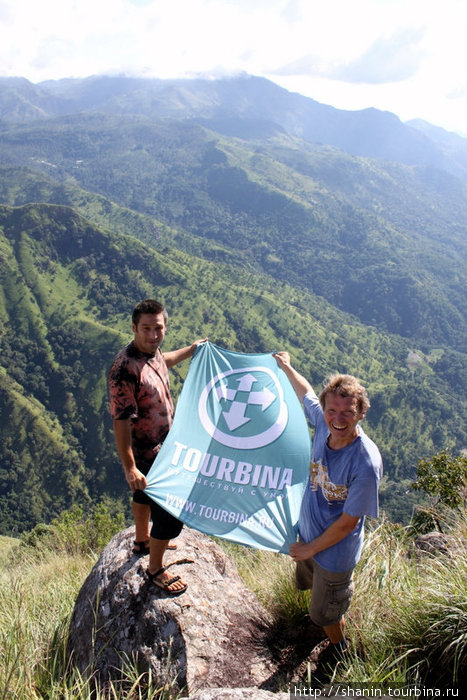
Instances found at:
x=301 y=550
x=198 y=342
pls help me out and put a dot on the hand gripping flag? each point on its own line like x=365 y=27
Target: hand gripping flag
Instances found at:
x=236 y=459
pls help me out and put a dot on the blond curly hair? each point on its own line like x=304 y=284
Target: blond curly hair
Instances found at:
x=346 y=385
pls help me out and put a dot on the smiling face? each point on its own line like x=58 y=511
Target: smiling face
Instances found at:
x=341 y=414
x=149 y=332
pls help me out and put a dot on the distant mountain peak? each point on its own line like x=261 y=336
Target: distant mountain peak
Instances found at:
x=244 y=105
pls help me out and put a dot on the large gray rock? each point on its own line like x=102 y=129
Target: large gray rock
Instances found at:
x=213 y=635
x=238 y=694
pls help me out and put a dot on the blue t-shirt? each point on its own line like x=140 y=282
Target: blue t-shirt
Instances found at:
x=341 y=481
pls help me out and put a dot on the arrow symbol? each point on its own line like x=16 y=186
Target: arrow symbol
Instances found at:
x=223 y=392
x=246 y=382
x=235 y=417
x=263 y=398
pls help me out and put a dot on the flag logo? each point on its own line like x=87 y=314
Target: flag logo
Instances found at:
x=237 y=403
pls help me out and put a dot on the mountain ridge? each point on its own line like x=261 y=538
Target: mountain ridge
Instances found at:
x=395 y=234
x=227 y=103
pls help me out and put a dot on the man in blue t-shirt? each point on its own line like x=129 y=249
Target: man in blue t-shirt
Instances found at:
x=342 y=489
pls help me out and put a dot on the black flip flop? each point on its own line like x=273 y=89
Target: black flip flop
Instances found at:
x=143 y=548
x=164 y=585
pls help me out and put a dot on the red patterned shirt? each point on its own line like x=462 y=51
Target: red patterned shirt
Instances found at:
x=139 y=391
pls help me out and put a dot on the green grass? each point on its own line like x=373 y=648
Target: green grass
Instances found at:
x=6 y=545
x=407 y=622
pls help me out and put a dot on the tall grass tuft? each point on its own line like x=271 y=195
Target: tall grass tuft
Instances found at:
x=430 y=620
x=36 y=597
x=409 y=613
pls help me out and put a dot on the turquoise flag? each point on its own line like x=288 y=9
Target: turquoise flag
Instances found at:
x=236 y=459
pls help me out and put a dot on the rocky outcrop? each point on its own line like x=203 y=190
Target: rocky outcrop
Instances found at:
x=438 y=544
x=212 y=636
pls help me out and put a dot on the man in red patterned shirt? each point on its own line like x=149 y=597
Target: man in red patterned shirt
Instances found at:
x=142 y=410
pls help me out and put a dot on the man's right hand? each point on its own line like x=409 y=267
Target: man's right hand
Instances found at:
x=282 y=358
x=136 y=479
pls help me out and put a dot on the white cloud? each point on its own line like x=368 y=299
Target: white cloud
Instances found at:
x=387 y=60
x=408 y=56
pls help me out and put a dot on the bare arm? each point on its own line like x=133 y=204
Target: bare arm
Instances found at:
x=174 y=357
x=122 y=431
x=301 y=385
x=336 y=532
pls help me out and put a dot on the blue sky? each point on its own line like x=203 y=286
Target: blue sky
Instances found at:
x=405 y=56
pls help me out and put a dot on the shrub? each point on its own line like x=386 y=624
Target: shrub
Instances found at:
x=77 y=532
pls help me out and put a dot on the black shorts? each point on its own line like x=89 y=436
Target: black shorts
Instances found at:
x=164 y=525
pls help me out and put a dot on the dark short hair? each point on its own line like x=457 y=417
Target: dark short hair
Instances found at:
x=346 y=385
x=148 y=306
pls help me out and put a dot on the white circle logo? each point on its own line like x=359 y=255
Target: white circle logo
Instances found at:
x=239 y=404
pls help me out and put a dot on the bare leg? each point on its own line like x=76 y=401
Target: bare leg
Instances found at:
x=156 y=557
x=336 y=632
x=141 y=516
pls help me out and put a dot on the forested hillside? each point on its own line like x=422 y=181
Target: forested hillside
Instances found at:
x=384 y=242
x=263 y=242
x=67 y=293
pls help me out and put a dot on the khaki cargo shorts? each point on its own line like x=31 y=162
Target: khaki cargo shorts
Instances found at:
x=331 y=592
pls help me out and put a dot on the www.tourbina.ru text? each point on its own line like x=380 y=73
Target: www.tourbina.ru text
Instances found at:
x=219 y=514
x=366 y=691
